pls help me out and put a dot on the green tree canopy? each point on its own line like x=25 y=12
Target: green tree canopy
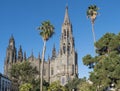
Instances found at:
x=26 y=87
x=106 y=65
x=55 y=86
x=23 y=73
x=72 y=84
x=85 y=85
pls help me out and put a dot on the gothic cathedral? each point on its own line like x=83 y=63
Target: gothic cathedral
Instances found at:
x=62 y=66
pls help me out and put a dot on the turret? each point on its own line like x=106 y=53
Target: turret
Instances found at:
x=54 y=52
x=24 y=56
x=20 y=54
x=32 y=56
x=10 y=55
x=11 y=51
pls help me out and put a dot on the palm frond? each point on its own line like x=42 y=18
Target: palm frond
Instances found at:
x=92 y=12
x=46 y=30
x=92 y=9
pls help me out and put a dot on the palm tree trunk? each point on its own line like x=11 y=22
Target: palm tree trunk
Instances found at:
x=94 y=38
x=39 y=71
x=43 y=53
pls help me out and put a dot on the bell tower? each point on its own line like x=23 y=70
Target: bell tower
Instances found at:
x=10 y=55
x=68 y=55
x=66 y=41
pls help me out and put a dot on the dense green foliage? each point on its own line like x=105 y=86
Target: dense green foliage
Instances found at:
x=85 y=85
x=25 y=76
x=72 y=84
x=55 y=86
x=26 y=87
x=22 y=73
x=36 y=85
x=106 y=65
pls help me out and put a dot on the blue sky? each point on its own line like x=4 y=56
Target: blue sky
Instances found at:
x=22 y=17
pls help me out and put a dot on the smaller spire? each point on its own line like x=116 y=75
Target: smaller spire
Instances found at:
x=32 y=55
x=53 y=52
x=20 y=54
x=24 y=56
x=20 y=49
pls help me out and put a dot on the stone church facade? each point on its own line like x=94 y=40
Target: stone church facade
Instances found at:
x=62 y=66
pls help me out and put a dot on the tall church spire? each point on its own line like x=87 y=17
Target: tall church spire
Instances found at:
x=67 y=40
x=66 y=18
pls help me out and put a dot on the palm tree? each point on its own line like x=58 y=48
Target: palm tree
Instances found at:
x=92 y=14
x=46 y=30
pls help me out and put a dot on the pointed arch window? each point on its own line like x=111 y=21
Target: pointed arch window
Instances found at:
x=67 y=33
x=64 y=49
x=68 y=49
x=8 y=60
x=64 y=32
